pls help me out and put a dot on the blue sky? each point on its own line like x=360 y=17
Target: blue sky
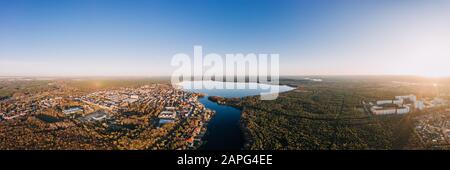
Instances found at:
x=335 y=37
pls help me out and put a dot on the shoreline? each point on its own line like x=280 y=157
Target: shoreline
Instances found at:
x=242 y=125
x=233 y=102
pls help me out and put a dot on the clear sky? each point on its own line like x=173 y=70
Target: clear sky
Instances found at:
x=139 y=37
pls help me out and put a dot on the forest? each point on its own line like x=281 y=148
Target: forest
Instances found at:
x=328 y=115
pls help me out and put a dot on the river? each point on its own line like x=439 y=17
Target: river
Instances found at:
x=223 y=130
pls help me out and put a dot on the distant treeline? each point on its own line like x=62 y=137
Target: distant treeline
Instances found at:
x=328 y=115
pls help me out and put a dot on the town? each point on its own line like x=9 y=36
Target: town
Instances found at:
x=123 y=116
x=433 y=130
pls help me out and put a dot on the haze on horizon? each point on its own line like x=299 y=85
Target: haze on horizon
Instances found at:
x=139 y=38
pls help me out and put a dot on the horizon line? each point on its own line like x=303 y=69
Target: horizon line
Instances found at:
x=286 y=75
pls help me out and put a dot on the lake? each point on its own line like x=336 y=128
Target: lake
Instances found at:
x=224 y=131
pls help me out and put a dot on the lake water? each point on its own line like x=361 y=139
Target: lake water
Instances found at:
x=223 y=131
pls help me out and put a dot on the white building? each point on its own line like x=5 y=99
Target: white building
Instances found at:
x=397 y=102
x=403 y=110
x=72 y=110
x=382 y=106
x=411 y=97
x=420 y=105
x=99 y=117
x=134 y=96
x=378 y=110
x=167 y=115
x=381 y=102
